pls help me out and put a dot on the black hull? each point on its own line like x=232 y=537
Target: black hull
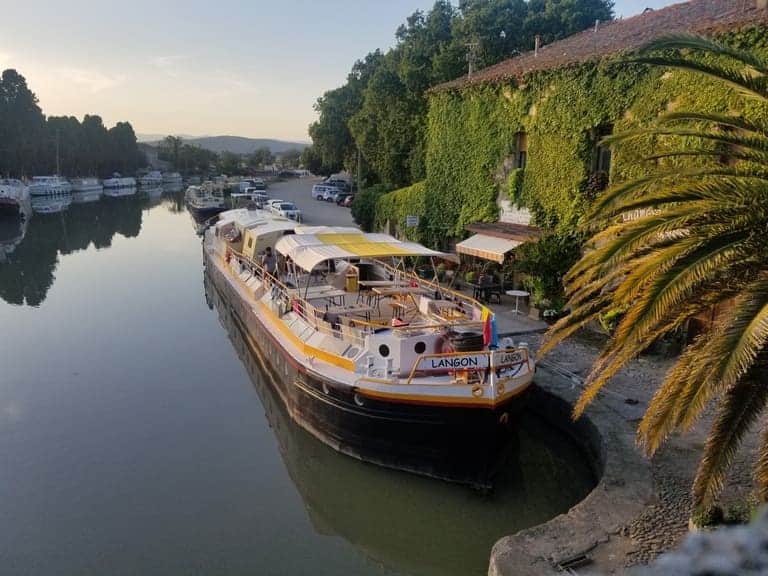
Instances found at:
x=204 y=212
x=458 y=444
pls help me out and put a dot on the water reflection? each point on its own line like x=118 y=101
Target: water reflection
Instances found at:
x=51 y=204
x=410 y=524
x=12 y=232
x=27 y=272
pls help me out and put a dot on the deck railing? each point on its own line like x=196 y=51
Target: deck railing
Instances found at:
x=301 y=307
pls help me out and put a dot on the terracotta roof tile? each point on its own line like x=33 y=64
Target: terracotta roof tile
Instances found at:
x=696 y=16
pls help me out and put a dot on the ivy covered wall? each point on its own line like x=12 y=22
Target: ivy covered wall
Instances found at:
x=471 y=136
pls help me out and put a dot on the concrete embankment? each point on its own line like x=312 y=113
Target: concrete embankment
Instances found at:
x=593 y=530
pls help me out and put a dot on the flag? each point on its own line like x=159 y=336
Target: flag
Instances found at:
x=487 y=328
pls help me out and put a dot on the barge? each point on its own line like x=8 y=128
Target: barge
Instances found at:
x=374 y=361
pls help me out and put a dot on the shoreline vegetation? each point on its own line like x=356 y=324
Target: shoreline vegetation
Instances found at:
x=34 y=144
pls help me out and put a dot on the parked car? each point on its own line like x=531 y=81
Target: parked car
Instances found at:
x=260 y=199
x=341 y=197
x=322 y=191
x=256 y=183
x=285 y=209
x=342 y=185
x=348 y=201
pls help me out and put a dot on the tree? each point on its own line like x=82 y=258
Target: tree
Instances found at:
x=382 y=107
x=123 y=148
x=261 y=157
x=698 y=247
x=290 y=158
x=310 y=160
x=21 y=125
x=229 y=163
x=169 y=150
x=556 y=19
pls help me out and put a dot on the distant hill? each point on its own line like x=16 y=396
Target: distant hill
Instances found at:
x=236 y=144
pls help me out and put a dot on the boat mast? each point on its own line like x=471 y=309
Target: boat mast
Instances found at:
x=57 y=152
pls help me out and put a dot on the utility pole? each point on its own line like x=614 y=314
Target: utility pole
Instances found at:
x=472 y=48
x=358 y=169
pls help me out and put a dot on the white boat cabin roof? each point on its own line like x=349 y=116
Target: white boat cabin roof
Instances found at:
x=309 y=250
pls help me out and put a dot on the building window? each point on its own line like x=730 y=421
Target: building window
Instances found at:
x=521 y=149
x=602 y=159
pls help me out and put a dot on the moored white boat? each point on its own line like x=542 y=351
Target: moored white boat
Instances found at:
x=48 y=185
x=151 y=180
x=171 y=178
x=119 y=186
x=118 y=181
x=14 y=197
x=405 y=374
x=208 y=198
x=87 y=185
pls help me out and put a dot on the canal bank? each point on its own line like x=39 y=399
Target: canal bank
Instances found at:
x=641 y=506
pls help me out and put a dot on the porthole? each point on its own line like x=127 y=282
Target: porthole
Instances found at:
x=352 y=352
x=420 y=347
x=384 y=350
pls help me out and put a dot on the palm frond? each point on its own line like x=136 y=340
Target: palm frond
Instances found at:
x=730 y=352
x=720 y=120
x=676 y=242
x=739 y=409
x=706 y=45
x=761 y=466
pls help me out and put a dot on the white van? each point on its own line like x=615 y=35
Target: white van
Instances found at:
x=323 y=191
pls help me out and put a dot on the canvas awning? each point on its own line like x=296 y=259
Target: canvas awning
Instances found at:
x=309 y=250
x=487 y=247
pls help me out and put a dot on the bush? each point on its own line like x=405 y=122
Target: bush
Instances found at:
x=546 y=262
x=364 y=206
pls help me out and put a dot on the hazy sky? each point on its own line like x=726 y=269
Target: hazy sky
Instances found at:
x=250 y=68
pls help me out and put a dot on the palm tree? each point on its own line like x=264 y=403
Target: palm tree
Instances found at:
x=699 y=243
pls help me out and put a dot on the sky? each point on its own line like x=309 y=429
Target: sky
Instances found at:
x=248 y=68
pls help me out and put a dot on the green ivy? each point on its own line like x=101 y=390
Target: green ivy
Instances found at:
x=515 y=186
x=392 y=209
x=471 y=135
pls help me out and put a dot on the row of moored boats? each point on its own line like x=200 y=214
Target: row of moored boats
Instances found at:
x=54 y=193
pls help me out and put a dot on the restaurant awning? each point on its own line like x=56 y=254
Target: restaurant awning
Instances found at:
x=487 y=247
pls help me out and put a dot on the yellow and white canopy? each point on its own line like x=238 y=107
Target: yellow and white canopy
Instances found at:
x=311 y=246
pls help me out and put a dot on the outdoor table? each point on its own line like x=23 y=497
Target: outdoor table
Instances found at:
x=483 y=292
x=315 y=293
x=517 y=294
x=383 y=291
x=356 y=310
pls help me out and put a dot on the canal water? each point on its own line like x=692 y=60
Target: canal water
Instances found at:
x=139 y=436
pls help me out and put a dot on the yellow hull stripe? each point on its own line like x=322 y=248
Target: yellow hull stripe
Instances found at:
x=442 y=400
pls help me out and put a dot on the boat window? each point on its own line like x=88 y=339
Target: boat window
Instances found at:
x=250 y=242
x=384 y=350
x=420 y=347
